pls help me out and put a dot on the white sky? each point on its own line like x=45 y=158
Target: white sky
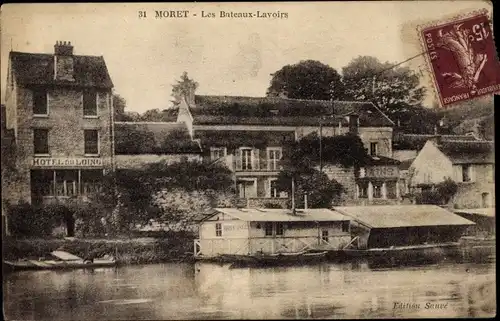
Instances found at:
x=226 y=56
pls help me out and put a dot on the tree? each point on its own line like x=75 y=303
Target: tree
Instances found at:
x=395 y=90
x=320 y=190
x=346 y=150
x=119 y=104
x=308 y=79
x=131 y=197
x=183 y=88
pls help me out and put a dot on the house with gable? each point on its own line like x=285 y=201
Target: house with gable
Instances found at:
x=250 y=135
x=471 y=164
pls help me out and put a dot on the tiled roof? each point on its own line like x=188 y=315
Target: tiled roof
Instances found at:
x=404 y=165
x=156 y=138
x=381 y=160
x=38 y=69
x=283 y=215
x=469 y=152
x=393 y=216
x=211 y=110
x=489 y=211
x=403 y=141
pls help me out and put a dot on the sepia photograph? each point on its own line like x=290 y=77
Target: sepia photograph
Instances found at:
x=254 y=160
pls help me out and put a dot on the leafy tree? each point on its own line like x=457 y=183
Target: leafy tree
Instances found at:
x=439 y=194
x=395 y=90
x=131 y=197
x=183 y=88
x=346 y=150
x=321 y=191
x=119 y=104
x=308 y=79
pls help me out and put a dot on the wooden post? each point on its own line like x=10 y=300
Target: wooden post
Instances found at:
x=320 y=145
x=293 y=195
x=305 y=201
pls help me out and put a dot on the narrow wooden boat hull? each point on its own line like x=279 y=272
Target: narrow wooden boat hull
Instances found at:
x=406 y=251
x=55 y=265
x=276 y=259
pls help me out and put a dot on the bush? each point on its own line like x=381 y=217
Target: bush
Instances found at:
x=28 y=220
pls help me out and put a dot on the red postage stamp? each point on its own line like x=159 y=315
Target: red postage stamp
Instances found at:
x=462 y=58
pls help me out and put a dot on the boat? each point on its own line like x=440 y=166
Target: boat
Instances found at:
x=276 y=258
x=406 y=251
x=62 y=260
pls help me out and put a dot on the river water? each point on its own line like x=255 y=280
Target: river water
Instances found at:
x=213 y=291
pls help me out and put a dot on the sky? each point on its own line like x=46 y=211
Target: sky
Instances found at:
x=226 y=56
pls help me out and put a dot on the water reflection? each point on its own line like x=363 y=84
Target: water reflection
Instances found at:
x=212 y=291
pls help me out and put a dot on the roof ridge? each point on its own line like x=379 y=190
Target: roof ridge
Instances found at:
x=50 y=54
x=292 y=99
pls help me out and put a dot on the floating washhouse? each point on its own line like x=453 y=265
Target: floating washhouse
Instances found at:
x=248 y=231
x=483 y=217
x=403 y=225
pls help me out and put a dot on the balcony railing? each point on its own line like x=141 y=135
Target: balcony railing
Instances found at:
x=256 y=165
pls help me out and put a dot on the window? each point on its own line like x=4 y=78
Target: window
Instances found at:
x=218 y=229
x=279 y=229
x=273 y=158
x=91 y=181
x=41 y=141
x=91 y=142
x=217 y=152
x=89 y=103
x=466 y=173
x=40 y=103
x=373 y=149
x=485 y=199
x=268 y=229
x=363 y=190
x=66 y=182
x=246 y=159
x=345 y=227
x=324 y=236
x=273 y=188
x=377 y=190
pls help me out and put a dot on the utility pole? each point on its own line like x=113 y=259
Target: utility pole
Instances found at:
x=321 y=145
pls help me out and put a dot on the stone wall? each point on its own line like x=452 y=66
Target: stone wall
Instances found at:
x=345 y=176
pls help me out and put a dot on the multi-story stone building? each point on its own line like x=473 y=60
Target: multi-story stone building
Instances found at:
x=58 y=106
x=251 y=133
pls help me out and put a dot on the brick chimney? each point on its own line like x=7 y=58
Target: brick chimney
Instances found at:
x=63 y=61
x=353 y=124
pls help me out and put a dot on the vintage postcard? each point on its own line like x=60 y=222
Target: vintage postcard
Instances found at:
x=277 y=160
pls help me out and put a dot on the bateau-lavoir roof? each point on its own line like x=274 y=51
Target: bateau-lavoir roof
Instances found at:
x=214 y=110
x=404 y=141
x=395 y=216
x=283 y=215
x=38 y=69
x=489 y=211
x=132 y=138
x=468 y=152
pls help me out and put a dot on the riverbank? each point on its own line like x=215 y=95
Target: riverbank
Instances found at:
x=125 y=250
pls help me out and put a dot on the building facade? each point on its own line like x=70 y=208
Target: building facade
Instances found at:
x=250 y=134
x=58 y=106
x=471 y=164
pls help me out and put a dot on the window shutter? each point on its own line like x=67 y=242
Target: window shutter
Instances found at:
x=255 y=159
x=237 y=158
